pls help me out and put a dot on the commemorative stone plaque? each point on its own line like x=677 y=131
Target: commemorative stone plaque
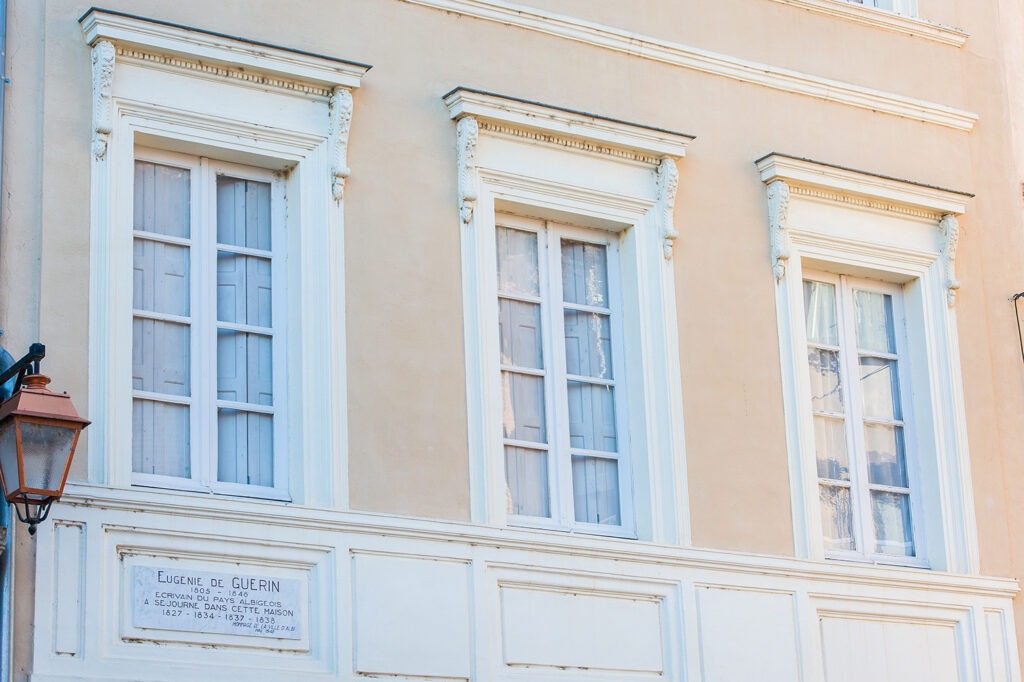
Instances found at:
x=226 y=603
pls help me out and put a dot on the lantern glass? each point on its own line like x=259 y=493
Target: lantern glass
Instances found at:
x=46 y=448
x=9 y=456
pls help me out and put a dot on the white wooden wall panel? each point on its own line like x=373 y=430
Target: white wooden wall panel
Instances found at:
x=402 y=598
x=567 y=628
x=999 y=655
x=747 y=635
x=69 y=581
x=881 y=650
x=411 y=617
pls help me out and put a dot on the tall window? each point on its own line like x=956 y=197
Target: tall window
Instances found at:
x=855 y=354
x=561 y=369
x=207 y=327
x=897 y=6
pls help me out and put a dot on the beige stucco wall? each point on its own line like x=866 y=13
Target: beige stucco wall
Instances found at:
x=406 y=371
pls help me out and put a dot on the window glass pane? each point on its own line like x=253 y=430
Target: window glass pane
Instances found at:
x=160 y=357
x=837 y=518
x=584 y=273
x=595 y=490
x=820 y=310
x=162 y=199
x=244 y=290
x=879 y=385
x=826 y=387
x=893 y=533
x=245 y=447
x=588 y=344
x=523 y=417
x=520 y=332
x=526 y=473
x=160 y=438
x=517 y=262
x=245 y=367
x=160 y=277
x=243 y=212
x=886 y=458
x=592 y=417
x=875 y=328
x=830 y=447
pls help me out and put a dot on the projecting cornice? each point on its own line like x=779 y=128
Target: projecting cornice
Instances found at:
x=573 y=128
x=684 y=56
x=841 y=182
x=211 y=49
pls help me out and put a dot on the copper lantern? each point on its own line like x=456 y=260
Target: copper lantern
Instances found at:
x=39 y=430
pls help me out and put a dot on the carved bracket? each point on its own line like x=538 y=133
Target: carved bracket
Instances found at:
x=340 y=123
x=668 y=185
x=467 y=130
x=102 y=96
x=950 y=229
x=778 y=216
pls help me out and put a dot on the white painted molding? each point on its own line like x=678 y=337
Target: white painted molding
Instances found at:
x=466 y=132
x=846 y=181
x=340 y=124
x=668 y=186
x=595 y=133
x=882 y=19
x=704 y=61
x=172 y=39
x=778 y=214
x=102 y=102
x=950 y=228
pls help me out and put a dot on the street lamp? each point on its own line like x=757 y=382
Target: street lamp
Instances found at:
x=39 y=430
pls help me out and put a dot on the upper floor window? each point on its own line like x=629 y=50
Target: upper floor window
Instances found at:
x=208 y=342
x=856 y=354
x=574 y=393
x=560 y=332
x=908 y=7
x=230 y=306
x=871 y=380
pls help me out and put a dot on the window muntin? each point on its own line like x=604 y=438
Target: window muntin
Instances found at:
x=560 y=347
x=207 y=327
x=855 y=355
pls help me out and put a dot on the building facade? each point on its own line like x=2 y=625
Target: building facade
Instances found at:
x=485 y=340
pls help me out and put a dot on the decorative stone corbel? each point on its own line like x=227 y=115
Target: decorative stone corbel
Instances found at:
x=340 y=123
x=467 y=130
x=102 y=96
x=950 y=229
x=668 y=185
x=778 y=216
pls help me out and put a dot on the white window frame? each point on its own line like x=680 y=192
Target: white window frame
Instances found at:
x=183 y=90
x=560 y=490
x=203 y=403
x=854 y=418
x=537 y=161
x=846 y=222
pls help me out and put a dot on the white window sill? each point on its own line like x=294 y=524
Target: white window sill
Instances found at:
x=883 y=19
